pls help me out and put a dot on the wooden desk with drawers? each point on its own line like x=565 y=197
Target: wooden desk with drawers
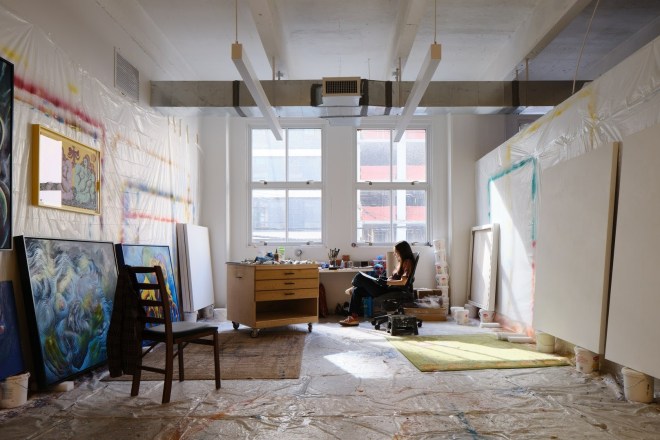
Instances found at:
x=271 y=295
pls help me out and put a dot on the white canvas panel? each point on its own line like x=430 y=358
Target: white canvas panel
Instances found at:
x=574 y=248
x=195 y=266
x=633 y=332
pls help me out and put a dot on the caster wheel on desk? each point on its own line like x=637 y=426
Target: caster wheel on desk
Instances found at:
x=235 y=325
x=377 y=326
x=309 y=327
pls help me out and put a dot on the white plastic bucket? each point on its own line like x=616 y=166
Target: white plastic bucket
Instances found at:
x=486 y=315
x=190 y=316
x=455 y=309
x=637 y=386
x=585 y=360
x=14 y=390
x=461 y=317
x=220 y=314
x=442 y=279
x=545 y=343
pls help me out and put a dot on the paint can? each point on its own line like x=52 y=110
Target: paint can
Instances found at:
x=14 y=390
x=485 y=315
x=585 y=360
x=461 y=317
x=545 y=343
x=637 y=386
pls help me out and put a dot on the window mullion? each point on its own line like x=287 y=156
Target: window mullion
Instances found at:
x=286 y=216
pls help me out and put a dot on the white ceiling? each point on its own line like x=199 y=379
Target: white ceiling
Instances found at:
x=311 y=39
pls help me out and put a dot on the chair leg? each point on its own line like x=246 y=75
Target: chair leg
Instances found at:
x=135 y=388
x=169 y=372
x=179 y=352
x=216 y=359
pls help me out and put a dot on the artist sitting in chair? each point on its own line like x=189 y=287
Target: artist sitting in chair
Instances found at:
x=364 y=285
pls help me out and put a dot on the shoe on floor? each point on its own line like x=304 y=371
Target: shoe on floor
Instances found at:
x=349 y=322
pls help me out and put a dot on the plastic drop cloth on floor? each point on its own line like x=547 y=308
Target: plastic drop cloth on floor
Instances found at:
x=353 y=384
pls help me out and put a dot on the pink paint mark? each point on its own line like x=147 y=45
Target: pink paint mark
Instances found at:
x=39 y=91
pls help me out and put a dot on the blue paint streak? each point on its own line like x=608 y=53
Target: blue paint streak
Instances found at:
x=534 y=187
x=468 y=427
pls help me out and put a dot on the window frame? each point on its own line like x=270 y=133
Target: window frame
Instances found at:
x=286 y=186
x=392 y=186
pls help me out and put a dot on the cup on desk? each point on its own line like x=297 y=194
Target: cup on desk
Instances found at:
x=349 y=264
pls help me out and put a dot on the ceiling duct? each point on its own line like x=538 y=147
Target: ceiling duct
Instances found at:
x=341 y=92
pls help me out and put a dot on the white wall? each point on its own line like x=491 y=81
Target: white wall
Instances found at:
x=213 y=212
x=472 y=136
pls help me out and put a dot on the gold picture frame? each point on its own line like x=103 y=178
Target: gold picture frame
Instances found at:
x=66 y=174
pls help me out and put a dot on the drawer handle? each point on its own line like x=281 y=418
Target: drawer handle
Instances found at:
x=289 y=273
x=288 y=283
x=289 y=293
x=239 y=277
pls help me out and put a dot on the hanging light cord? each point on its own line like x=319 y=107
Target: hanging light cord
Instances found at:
x=584 y=40
x=435 y=22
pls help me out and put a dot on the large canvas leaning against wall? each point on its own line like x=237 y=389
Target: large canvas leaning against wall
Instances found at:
x=574 y=247
x=195 y=266
x=153 y=255
x=632 y=327
x=482 y=266
x=69 y=288
x=6 y=127
x=11 y=356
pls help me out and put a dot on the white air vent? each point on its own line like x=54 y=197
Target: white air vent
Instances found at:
x=127 y=78
x=344 y=92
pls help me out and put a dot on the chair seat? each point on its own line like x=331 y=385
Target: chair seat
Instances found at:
x=179 y=329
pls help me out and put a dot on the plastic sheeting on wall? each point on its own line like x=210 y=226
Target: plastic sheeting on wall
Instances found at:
x=623 y=101
x=148 y=167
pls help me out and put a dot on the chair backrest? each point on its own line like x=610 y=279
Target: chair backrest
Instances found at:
x=149 y=284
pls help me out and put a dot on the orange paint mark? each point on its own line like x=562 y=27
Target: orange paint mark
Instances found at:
x=219 y=416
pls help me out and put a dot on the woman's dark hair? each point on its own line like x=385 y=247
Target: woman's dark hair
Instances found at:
x=405 y=252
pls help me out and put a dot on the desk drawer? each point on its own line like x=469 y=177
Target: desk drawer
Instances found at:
x=290 y=284
x=277 y=295
x=285 y=274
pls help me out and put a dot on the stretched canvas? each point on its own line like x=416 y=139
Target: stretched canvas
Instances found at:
x=6 y=126
x=152 y=255
x=69 y=288
x=11 y=357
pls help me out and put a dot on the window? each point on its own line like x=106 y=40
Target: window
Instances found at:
x=392 y=187
x=286 y=180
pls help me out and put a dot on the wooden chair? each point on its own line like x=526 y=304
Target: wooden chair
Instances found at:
x=165 y=331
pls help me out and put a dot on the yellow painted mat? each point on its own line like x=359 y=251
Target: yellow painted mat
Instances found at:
x=471 y=352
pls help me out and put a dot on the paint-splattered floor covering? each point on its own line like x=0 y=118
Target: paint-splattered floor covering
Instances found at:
x=353 y=385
